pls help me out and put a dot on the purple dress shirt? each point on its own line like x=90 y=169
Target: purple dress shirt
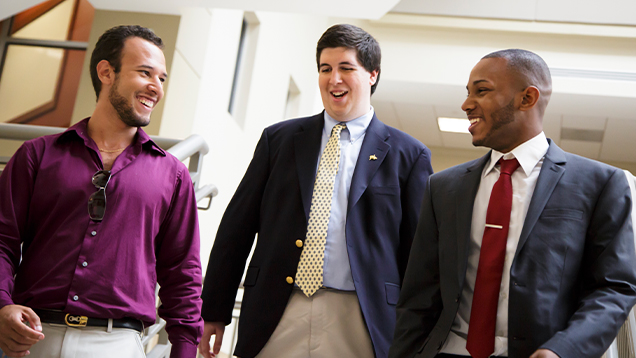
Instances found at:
x=106 y=269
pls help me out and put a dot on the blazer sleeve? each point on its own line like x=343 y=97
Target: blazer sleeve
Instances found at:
x=411 y=203
x=607 y=278
x=234 y=239
x=420 y=300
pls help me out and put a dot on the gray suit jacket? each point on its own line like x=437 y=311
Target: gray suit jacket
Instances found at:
x=573 y=278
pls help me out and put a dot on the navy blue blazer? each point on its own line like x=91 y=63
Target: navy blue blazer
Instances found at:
x=273 y=201
x=573 y=277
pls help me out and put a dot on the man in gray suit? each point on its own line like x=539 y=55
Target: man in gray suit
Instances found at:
x=556 y=277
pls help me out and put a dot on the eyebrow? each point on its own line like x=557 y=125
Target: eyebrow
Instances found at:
x=476 y=82
x=347 y=63
x=152 y=68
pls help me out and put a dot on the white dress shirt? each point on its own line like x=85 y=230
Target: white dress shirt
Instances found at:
x=530 y=155
x=336 y=269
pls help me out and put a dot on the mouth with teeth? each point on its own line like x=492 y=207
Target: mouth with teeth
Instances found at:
x=473 y=122
x=146 y=102
x=339 y=94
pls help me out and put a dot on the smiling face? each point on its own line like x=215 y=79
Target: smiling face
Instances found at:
x=138 y=86
x=345 y=85
x=494 y=95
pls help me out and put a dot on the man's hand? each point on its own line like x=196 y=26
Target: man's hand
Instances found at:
x=544 y=353
x=211 y=328
x=15 y=336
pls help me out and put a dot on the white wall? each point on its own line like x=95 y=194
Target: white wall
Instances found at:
x=201 y=82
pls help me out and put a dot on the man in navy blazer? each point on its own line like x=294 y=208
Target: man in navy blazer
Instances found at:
x=375 y=206
x=568 y=277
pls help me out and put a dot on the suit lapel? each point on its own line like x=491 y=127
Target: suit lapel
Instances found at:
x=374 y=144
x=467 y=188
x=307 y=148
x=551 y=172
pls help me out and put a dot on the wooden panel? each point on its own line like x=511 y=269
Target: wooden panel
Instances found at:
x=27 y=16
x=58 y=112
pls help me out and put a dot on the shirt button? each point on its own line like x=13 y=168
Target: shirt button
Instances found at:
x=299 y=243
x=289 y=280
x=84 y=263
x=93 y=233
x=75 y=298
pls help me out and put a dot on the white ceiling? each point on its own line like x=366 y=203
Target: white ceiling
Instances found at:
x=617 y=12
x=357 y=9
x=415 y=106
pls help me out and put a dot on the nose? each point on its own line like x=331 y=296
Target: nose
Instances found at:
x=335 y=77
x=468 y=104
x=156 y=86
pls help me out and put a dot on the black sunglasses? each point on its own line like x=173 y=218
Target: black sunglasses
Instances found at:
x=97 y=200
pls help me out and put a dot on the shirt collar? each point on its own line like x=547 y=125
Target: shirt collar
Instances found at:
x=528 y=153
x=80 y=129
x=356 y=127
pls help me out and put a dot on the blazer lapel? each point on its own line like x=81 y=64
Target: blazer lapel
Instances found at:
x=374 y=144
x=469 y=184
x=551 y=172
x=307 y=148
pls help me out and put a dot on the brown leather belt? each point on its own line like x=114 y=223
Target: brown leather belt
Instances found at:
x=58 y=317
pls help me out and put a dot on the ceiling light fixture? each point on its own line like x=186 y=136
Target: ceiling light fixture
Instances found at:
x=454 y=125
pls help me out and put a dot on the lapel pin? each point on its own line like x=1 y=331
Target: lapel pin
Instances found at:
x=373 y=157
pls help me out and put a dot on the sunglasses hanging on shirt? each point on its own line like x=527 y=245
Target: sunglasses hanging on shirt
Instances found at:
x=97 y=200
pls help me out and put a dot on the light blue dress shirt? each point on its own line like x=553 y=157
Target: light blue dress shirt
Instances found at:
x=336 y=270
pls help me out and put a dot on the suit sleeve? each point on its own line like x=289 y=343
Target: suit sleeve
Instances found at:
x=607 y=278
x=411 y=203
x=420 y=301
x=234 y=239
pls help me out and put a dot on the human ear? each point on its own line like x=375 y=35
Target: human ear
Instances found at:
x=530 y=98
x=374 y=77
x=105 y=72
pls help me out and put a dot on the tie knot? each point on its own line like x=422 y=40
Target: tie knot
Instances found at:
x=337 y=129
x=508 y=166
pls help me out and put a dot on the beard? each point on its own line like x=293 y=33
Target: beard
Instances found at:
x=500 y=118
x=503 y=115
x=124 y=108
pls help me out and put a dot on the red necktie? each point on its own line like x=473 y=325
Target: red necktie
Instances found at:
x=483 y=315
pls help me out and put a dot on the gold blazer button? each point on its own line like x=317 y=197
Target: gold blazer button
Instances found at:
x=299 y=243
x=290 y=280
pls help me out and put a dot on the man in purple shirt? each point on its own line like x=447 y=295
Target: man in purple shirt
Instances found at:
x=78 y=283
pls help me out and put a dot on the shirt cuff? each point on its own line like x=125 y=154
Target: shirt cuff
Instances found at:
x=182 y=349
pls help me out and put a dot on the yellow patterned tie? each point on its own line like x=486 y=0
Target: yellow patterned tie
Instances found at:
x=309 y=274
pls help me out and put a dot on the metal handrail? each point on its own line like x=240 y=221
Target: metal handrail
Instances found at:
x=193 y=148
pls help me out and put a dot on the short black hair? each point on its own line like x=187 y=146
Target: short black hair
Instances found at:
x=355 y=38
x=530 y=68
x=526 y=63
x=109 y=47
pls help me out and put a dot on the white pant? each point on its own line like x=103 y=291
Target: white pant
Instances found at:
x=327 y=325
x=88 y=342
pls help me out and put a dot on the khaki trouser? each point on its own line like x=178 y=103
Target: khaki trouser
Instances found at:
x=88 y=342
x=328 y=324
